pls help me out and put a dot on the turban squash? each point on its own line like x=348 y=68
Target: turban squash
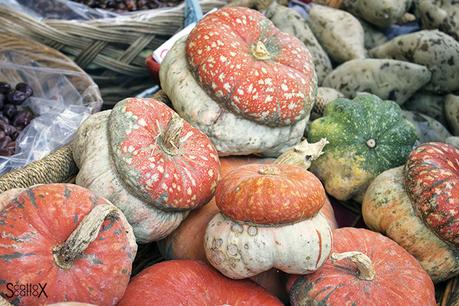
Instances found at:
x=147 y=161
x=191 y=282
x=246 y=84
x=365 y=268
x=63 y=235
x=417 y=205
x=367 y=136
x=269 y=218
x=187 y=241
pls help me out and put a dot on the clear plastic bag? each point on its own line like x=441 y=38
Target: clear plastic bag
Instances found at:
x=62 y=99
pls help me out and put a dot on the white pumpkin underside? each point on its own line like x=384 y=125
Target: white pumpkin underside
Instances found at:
x=241 y=250
x=231 y=135
x=98 y=173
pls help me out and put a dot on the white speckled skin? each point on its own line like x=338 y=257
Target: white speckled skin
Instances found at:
x=98 y=173
x=231 y=135
x=241 y=250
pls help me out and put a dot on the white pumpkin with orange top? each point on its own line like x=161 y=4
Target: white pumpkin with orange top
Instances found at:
x=246 y=84
x=269 y=218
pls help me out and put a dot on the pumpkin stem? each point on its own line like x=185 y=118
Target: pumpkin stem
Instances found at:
x=260 y=51
x=303 y=153
x=169 y=141
x=362 y=261
x=269 y=170
x=85 y=233
x=371 y=143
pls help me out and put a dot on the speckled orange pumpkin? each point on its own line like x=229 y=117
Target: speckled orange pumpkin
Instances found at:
x=432 y=182
x=248 y=65
x=246 y=84
x=246 y=194
x=64 y=236
x=147 y=161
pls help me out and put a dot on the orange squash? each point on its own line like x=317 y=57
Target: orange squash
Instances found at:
x=191 y=282
x=367 y=269
x=64 y=235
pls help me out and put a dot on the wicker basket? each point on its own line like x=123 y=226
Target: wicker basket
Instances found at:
x=25 y=51
x=112 y=51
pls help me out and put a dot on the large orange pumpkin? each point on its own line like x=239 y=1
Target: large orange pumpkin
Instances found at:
x=365 y=268
x=64 y=236
x=190 y=282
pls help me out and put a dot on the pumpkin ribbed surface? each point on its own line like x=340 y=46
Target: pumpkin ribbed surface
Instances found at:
x=432 y=182
x=366 y=136
x=398 y=279
x=270 y=194
x=252 y=68
x=40 y=219
x=160 y=157
x=189 y=282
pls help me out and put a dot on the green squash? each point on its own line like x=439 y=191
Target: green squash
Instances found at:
x=367 y=136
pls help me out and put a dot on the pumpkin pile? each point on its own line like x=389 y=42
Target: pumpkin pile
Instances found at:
x=275 y=115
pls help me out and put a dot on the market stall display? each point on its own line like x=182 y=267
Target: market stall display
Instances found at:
x=215 y=166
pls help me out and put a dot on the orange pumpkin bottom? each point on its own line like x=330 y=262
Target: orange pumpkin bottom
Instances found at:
x=190 y=282
x=367 y=269
x=187 y=241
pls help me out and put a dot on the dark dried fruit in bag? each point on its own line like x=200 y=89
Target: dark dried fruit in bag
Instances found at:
x=4 y=88
x=128 y=5
x=2 y=100
x=10 y=110
x=25 y=88
x=5 y=141
x=13 y=116
x=22 y=118
x=16 y=97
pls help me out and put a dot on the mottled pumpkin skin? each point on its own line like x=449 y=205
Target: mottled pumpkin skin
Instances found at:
x=432 y=182
x=270 y=194
x=399 y=279
x=187 y=241
x=91 y=152
x=230 y=133
x=241 y=250
x=387 y=209
x=190 y=282
x=181 y=180
x=36 y=220
x=367 y=136
x=277 y=89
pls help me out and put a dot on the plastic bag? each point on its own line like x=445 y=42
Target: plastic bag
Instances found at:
x=60 y=103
